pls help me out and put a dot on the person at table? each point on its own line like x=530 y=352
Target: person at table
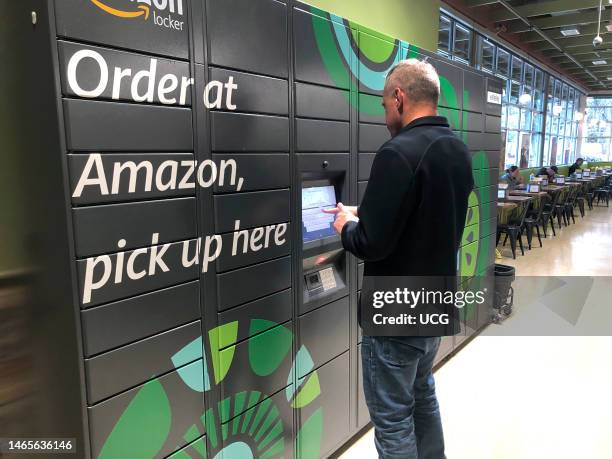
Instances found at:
x=512 y=177
x=574 y=167
x=549 y=172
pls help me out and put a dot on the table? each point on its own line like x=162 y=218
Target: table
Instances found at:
x=519 y=199
x=553 y=190
x=539 y=198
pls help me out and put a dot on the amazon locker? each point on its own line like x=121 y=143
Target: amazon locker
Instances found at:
x=211 y=310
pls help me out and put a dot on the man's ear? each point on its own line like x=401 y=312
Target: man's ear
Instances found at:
x=399 y=100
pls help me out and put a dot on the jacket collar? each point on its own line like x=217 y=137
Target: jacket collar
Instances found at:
x=426 y=121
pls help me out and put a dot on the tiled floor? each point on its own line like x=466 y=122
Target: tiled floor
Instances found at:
x=508 y=397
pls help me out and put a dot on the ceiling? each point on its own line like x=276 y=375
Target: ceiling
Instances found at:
x=536 y=26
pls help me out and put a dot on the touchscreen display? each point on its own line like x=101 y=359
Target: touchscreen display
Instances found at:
x=315 y=223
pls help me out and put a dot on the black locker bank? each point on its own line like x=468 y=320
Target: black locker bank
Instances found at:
x=185 y=149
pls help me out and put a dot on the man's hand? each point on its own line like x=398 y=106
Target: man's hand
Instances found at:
x=342 y=208
x=343 y=214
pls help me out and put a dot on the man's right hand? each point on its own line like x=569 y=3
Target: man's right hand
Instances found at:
x=342 y=208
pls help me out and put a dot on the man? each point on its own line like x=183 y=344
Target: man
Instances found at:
x=574 y=167
x=548 y=172
x=512 y=177
x=410 y=223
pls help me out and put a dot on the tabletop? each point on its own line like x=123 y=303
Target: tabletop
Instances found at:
x=527 y=193
x=519 y=198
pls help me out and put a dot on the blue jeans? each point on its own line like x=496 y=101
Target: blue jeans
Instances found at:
x=401 y=396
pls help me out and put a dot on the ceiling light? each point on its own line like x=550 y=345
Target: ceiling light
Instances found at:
x=525 y=99
x=570 y=32
x=600 y=62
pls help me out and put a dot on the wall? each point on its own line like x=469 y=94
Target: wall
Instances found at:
x=414 y=21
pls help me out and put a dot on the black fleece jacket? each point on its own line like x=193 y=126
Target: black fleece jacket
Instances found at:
x=413 y=212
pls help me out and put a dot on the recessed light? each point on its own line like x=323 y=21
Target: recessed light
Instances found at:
x=570 y=32
x=600 y=62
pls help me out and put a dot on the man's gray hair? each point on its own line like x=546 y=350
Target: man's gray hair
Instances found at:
x=418 y=79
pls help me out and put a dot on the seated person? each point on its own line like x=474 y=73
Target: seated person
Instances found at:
x=512 y=177
x=548 y=172
x=574 y=167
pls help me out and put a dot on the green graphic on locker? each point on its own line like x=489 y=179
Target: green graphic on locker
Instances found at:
x=246 y=423
x=350 y=51
x=476 y=246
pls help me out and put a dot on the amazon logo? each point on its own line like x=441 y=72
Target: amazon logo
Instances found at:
x=161 y=11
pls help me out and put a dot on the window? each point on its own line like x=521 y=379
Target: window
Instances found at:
x=534 y=151
x=486 y=55
x=512 y=141
x=454 y=39
x=513 y=117
x=538 y=123
x=538 y=92
x=517 y=68
x=598 y=124
x=461 y=43
x=503 y=63
x=528 y=75
x=525 y=120
x=444 y=35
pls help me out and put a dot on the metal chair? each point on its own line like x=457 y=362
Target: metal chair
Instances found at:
x=547 y=214
x=533 y=220
x=513 y=230
x=603 y=193
x=580 y=199
x=559 y=209
x=570 y=203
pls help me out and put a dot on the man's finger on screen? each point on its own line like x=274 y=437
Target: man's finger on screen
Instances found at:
x=331 y=210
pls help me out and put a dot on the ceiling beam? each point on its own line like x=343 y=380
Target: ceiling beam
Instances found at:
x=597 y=70
x=555 y=34
x=603 y=70
x=517 y=26
x=475 y=3
x=535 y=28
x=578 y=50
x=480 y=16
x=570 y=43
x=538 y=9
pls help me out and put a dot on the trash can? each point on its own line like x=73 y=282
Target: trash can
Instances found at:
x=504 y=293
